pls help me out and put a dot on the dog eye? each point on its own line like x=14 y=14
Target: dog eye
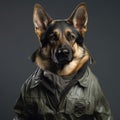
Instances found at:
x=70 y=36
x=53 y=37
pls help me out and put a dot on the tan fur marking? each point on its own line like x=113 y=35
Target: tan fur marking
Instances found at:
x=43 y=64
x=38 y=32
x=73 y=66
x=83 y=31
x=57 y=31
x=78 y=51
x=39 y=62
x=53 y=22
x=67 y=30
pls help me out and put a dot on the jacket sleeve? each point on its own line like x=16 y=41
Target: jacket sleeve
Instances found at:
x=20 y=110
x=24 y=108
x=21 y=107
x=102 y=111
x=102 y=107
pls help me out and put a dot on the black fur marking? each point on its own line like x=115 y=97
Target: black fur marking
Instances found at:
x=61 y=25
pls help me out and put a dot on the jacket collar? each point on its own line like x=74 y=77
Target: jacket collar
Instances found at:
x=84 y=80
x=38 y=77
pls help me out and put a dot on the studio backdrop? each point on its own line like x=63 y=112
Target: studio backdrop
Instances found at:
x=18 y=41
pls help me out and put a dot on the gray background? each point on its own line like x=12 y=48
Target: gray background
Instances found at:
x=18 y=41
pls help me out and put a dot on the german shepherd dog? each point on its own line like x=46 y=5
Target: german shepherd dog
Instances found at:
x=62 y=48
x=62 y=54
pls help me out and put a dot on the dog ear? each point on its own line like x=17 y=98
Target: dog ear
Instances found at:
x=79 y=18
x=40 y=19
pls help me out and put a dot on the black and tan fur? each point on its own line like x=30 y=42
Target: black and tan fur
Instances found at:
x=67 y=35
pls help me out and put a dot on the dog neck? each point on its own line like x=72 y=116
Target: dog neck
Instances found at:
x=73 y=66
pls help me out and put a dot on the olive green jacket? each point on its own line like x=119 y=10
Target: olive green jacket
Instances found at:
x=44 y=96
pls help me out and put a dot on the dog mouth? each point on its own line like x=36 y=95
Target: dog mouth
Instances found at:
x=62 y=55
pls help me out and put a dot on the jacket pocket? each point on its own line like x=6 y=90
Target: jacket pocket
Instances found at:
x=75 y=106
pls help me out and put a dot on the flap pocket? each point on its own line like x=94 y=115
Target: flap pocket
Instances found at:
x=76 y=106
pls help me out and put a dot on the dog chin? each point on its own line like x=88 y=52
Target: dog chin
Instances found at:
x=62 y=62
x=58 y=60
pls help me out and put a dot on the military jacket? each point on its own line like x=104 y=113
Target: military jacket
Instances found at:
x=42 y=98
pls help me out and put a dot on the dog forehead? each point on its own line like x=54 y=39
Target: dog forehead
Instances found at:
x=58 y=22
x=60 y=25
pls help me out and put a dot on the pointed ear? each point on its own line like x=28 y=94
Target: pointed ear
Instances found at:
x=79 y=18
x=40 y=19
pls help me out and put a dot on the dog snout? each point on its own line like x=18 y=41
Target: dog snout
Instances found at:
x=63 y=51
x=64 y=54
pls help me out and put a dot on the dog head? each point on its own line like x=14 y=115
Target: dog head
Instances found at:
x=61 y=41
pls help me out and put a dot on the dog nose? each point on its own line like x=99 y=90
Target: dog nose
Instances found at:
x=63 y=51
x=64 y=54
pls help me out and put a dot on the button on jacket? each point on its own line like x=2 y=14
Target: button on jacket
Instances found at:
x=44 y=96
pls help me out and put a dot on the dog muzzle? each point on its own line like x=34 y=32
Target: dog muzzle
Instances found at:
x=62 y=55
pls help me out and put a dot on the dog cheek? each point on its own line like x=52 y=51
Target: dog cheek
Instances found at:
x=53 y=56
x=74 y=48
x=78 y=51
